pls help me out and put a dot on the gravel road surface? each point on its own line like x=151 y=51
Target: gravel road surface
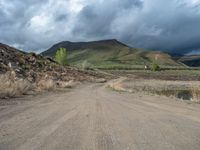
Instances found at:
x=92 y=117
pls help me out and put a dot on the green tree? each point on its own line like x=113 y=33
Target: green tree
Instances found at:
x=61 y=56
x=155 y=67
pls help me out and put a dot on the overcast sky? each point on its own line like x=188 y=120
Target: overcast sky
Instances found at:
x=172 y=25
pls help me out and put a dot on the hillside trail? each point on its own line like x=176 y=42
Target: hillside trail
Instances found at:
x=93 y=117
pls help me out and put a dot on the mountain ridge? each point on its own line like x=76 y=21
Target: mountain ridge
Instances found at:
x=191 y=60
x=110 y=52
x=79 y=45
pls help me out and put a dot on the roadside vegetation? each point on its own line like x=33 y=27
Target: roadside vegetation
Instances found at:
x=61 y=56
x=11 y=87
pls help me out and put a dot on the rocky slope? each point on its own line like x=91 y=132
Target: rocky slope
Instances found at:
x=31 y=66
x=20 y=72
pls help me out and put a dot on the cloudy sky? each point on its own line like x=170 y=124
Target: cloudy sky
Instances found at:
x=172 y=25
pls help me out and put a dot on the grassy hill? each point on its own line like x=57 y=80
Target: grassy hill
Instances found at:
x=110 y=54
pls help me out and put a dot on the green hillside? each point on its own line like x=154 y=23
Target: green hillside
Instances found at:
x=111 y=54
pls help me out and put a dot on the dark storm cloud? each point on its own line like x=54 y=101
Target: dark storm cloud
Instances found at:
x=14 y=18
x=96 y=19
x=154 y=24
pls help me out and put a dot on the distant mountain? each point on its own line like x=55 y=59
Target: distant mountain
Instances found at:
x=110 y=53
x=83 y=45
x=191 y=60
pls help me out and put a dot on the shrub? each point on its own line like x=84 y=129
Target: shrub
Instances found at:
x=12 y=88
x=86 y=65
x=155 y=67
x=195 y=94
x=61 y=56
x=45 y=84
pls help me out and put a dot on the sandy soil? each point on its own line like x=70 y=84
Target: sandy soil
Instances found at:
x=92 y=117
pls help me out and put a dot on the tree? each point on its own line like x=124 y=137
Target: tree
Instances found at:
x=155 y=67
x=61 y=56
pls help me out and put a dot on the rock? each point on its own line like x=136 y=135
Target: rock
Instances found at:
x=101 y=80
x=10 y=65
x=21 y=60
x=66 y=84
x=33 y=54
x=51 y=60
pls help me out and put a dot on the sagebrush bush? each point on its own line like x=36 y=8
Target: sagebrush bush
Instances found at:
x=195 y=94
x=45 y=84
x=86 y=65
x=12 y=88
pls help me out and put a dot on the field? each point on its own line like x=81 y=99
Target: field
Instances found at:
x=182 y=74
x=183 y=84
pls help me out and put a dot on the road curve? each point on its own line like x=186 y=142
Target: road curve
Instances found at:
x=92 y=117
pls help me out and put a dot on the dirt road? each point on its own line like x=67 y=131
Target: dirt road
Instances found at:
x=92 y=117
